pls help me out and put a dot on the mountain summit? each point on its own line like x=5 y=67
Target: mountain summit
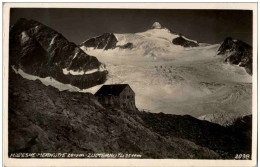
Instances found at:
x=156 y=25
x=41 y=51
x=157 y=41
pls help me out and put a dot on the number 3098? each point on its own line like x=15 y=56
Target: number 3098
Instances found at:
x=242 y=156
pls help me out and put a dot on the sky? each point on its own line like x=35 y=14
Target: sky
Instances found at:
x=78 y=25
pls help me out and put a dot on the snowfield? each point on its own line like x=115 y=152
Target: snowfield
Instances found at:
x=177 y=80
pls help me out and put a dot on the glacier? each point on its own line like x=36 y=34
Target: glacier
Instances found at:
x=176 y=80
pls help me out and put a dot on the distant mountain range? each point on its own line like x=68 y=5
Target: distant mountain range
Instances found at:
x=132 y=41
x=38 y=50
x=237 y=52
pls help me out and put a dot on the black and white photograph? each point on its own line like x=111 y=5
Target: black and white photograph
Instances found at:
x=130 y=83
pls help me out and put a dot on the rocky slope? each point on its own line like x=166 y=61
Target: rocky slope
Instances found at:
x=38 y=50
x=43 y=119
x=237 y=52
x=105 y=42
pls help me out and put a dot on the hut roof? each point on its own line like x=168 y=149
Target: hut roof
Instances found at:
x=115 y=90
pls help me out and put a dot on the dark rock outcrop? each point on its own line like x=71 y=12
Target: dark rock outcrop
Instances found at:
x=237 y=52
x=105 y=41
x=43 y=119
x=183 y=42
x=39 y=50
x=128 y=45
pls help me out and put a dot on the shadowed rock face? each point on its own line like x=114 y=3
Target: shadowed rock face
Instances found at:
x=43 y=119
x=105 y=41
x=183 y=42
x=227 y=141
x=39 y=50
x=237 y=52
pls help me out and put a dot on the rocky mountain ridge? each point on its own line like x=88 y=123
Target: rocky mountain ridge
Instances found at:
x=38 y=50
x=238 y=53
x=105 y=41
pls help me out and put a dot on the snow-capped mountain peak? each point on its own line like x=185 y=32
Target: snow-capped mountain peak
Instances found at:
x=156 y=25
x=157 y=41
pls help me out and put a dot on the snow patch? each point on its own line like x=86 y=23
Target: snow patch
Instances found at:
x=49 y=81
x=66 y=72
x=81 y=72
x=189 y=39
x=37 y=28
x=87 y=49
x=24 y=37
x=76 y=54
x=53 y=39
